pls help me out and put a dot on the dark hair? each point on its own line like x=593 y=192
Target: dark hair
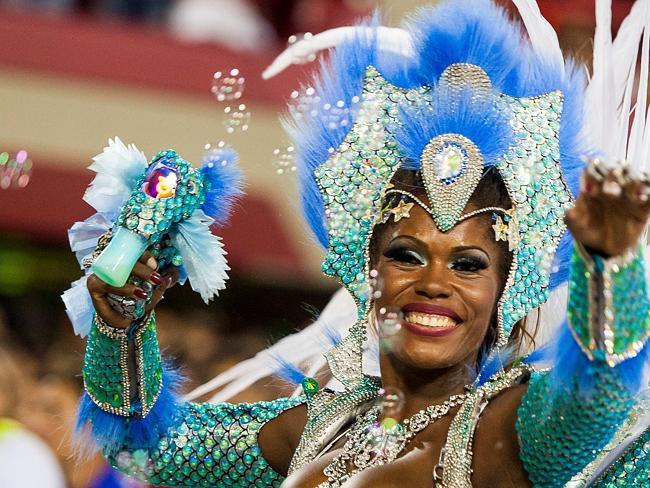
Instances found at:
x=490 y=192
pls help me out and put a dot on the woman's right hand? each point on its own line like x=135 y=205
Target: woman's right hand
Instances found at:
x=145 y=269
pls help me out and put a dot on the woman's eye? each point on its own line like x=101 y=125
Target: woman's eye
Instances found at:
x=468 y=264
x=404 y=255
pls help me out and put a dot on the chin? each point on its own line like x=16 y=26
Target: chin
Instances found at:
x=427 y=353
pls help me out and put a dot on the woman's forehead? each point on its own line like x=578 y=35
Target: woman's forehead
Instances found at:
x=475 y=231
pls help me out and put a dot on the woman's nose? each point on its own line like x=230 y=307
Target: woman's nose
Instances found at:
x=434 y=281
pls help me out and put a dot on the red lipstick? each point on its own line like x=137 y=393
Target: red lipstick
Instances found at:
x=432 y=310
x=429 y=309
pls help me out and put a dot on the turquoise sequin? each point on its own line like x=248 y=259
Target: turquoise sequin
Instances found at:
x=562 y=428
x=215 y=445
x=631 y=469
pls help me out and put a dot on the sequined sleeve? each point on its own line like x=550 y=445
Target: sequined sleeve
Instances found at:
x=147 y=432
x=571 y=413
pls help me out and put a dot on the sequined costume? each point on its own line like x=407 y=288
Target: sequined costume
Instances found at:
x=447 y=104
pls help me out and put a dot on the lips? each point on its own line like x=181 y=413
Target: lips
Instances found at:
x=430 y=320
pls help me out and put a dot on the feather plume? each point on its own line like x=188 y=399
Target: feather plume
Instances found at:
x=113 y=432
x=79 y=306
x=223 y=180
x=450 y=112
x=204 y=259
x=543 y=37
x=340 y=80
x=306 y=347
x=288 y=371
x=565 y=351
x=118 y=168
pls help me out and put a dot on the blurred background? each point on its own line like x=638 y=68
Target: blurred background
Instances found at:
x=74 y=73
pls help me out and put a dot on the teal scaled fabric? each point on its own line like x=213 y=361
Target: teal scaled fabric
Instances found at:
x=568 y=415
x=215 y=445
x=631 y=469
x=205 y=445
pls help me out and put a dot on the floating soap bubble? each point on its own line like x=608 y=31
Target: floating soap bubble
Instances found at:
x=392 y=402
x=15 y=172
x=217 y=154
x=237 y=119
x=390 y=323
x=304 y=58
x=227 y=86
x=284 y=160
x=374 y=284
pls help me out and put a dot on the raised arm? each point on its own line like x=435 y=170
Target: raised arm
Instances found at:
x=145 y=430
x=569 y=415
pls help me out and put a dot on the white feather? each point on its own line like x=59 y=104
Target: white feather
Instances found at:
x=204 y=258
x=600 y=96
x=118 y=167
x=636 y=154
x=83 y=236
x=306 y=347
x=389 y=39
x=79 y=306
x=540 y=32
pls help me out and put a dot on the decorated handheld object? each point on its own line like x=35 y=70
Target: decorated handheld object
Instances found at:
x=168 y=192
x=165 y=205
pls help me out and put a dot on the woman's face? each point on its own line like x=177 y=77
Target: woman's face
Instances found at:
x=445 y=286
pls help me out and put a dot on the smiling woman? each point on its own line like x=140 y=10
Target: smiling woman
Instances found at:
x=440 y=169
x=443 y=281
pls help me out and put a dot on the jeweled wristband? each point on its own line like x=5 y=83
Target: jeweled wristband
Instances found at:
x=106 y=373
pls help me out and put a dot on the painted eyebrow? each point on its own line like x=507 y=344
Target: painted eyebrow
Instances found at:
x=471 y=248
x=454 y=249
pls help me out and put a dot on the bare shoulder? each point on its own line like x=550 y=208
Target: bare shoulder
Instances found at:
x=279 y=438
x=496 y=446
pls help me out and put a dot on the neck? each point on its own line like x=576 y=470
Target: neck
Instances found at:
x=423 y=387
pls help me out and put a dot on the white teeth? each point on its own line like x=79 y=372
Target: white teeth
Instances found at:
x=429 y=320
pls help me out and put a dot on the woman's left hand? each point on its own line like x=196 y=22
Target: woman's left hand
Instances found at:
x=611 y=210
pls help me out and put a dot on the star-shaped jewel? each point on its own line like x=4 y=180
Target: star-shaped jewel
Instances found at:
x=402 y=211
x=500 y=229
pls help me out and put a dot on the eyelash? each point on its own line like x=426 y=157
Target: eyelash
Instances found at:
x=468 y=264
x=463 y=264
x=404 y=255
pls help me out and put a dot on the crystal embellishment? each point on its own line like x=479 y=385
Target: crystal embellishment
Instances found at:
x=451 y=168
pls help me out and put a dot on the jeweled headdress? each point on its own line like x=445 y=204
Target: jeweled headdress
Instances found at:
x=470 y=94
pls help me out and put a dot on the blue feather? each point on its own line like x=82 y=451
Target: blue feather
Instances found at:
x=113 y=432
x=224 y=182
x=472 y=31
x=288 y=371
x=341 y=78
x=451 y=112
x=497 y=360
x=572 y=363
x=332 y=335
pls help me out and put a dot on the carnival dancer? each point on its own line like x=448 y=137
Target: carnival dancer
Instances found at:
x=440 y=167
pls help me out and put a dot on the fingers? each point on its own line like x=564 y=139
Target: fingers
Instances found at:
x=98 y=290
x=97 y=287
x=617 y=185
x=148 y=286
x=170 y=278
x=148 y=260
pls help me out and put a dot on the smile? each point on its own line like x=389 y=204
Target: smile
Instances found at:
x=427 y=320
x=430 y=320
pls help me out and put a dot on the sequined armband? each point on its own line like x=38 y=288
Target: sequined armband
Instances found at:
x=609 y=310
x=111 y=382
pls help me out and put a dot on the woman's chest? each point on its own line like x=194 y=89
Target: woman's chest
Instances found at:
x=414 y=467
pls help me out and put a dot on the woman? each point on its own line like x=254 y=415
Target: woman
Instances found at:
x=439 y=182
